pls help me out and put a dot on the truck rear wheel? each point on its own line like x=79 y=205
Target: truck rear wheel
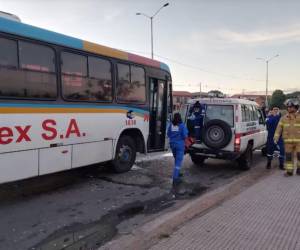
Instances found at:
x=125 y=155
x=246 y=159
x=198 y=159
x=264 y=151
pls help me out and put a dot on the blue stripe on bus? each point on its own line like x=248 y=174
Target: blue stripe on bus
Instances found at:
x=40 y=34
x=31 y=105
x=30 y=31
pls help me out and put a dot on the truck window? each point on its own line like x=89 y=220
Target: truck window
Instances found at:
x=221 y=112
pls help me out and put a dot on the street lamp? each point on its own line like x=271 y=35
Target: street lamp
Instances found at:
x=151 y=23
x=267 y=74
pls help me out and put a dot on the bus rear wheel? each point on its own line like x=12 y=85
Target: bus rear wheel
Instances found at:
x=125 y=155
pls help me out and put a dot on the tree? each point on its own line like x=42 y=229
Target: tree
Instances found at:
x=216 y=93
x=278 y=98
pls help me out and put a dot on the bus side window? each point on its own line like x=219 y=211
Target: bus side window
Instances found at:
x=100 y=79
x=131 y=84
x=8 y=67
x=74 y=76
x=123 y=82
x=8 y=53
x=38 y=70
x=36 y=76
x=138 y=84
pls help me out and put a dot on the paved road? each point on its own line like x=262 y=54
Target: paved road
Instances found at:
x=88 y=207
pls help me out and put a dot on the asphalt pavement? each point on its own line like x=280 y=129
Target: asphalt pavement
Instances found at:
x=88 y=207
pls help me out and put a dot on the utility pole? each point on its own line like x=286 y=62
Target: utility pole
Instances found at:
x=267 y=75
x=200 y=90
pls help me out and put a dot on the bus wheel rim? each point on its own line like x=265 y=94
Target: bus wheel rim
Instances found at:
x=125 y=154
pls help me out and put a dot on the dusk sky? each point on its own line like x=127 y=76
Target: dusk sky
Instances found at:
x=215 y=42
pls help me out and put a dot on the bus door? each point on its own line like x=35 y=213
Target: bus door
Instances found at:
x=158 y=114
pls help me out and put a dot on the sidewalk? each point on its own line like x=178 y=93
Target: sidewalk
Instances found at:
x=265 y=216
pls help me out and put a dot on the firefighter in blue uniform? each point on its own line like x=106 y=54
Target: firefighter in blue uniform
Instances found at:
x=177 y=133
x=272 y=121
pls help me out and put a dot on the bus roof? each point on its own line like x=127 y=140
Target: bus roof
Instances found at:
x=216 y=100
x=29 y=31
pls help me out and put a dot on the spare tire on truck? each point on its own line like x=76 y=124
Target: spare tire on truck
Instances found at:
x=216 y=134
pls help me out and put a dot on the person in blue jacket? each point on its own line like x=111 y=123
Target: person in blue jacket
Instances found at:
x=195 y=121
x=272 y=122
x=198 y=121
x=177 y=132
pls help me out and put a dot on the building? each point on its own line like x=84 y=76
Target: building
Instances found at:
x=180 y=98
x=197 y=95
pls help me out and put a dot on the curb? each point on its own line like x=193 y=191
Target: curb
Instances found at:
x=151 y=232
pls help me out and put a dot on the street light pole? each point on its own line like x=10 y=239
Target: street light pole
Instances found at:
x=200 y=90
x=267 y=82
x=151 y=23
x=267 y=74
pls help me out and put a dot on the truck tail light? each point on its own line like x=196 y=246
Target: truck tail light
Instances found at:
x=237 y=143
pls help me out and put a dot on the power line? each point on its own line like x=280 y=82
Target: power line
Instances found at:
x=208 y=71
x=202 y=70
x=199 y=68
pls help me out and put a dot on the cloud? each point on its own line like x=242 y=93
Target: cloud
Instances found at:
x=111 y=15
x=197 y=42
x=259 y=37
x=224 y=39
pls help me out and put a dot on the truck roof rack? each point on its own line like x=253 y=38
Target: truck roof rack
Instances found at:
x=10 y=16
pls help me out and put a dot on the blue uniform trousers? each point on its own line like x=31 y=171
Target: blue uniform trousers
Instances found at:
x=271 y=147
x=198 y=124
x=178 y=153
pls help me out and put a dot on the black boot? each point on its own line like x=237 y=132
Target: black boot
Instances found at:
x=281 y=166
x=298 y=171
x=288 y=174
x=268 y=165
x=178 y=187
x=175 y=184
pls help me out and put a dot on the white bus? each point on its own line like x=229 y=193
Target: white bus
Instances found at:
x=67 y=103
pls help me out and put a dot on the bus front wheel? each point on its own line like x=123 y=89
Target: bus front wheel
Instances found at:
x=125 y=154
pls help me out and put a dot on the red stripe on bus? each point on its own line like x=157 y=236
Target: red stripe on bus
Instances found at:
x=143 y=60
